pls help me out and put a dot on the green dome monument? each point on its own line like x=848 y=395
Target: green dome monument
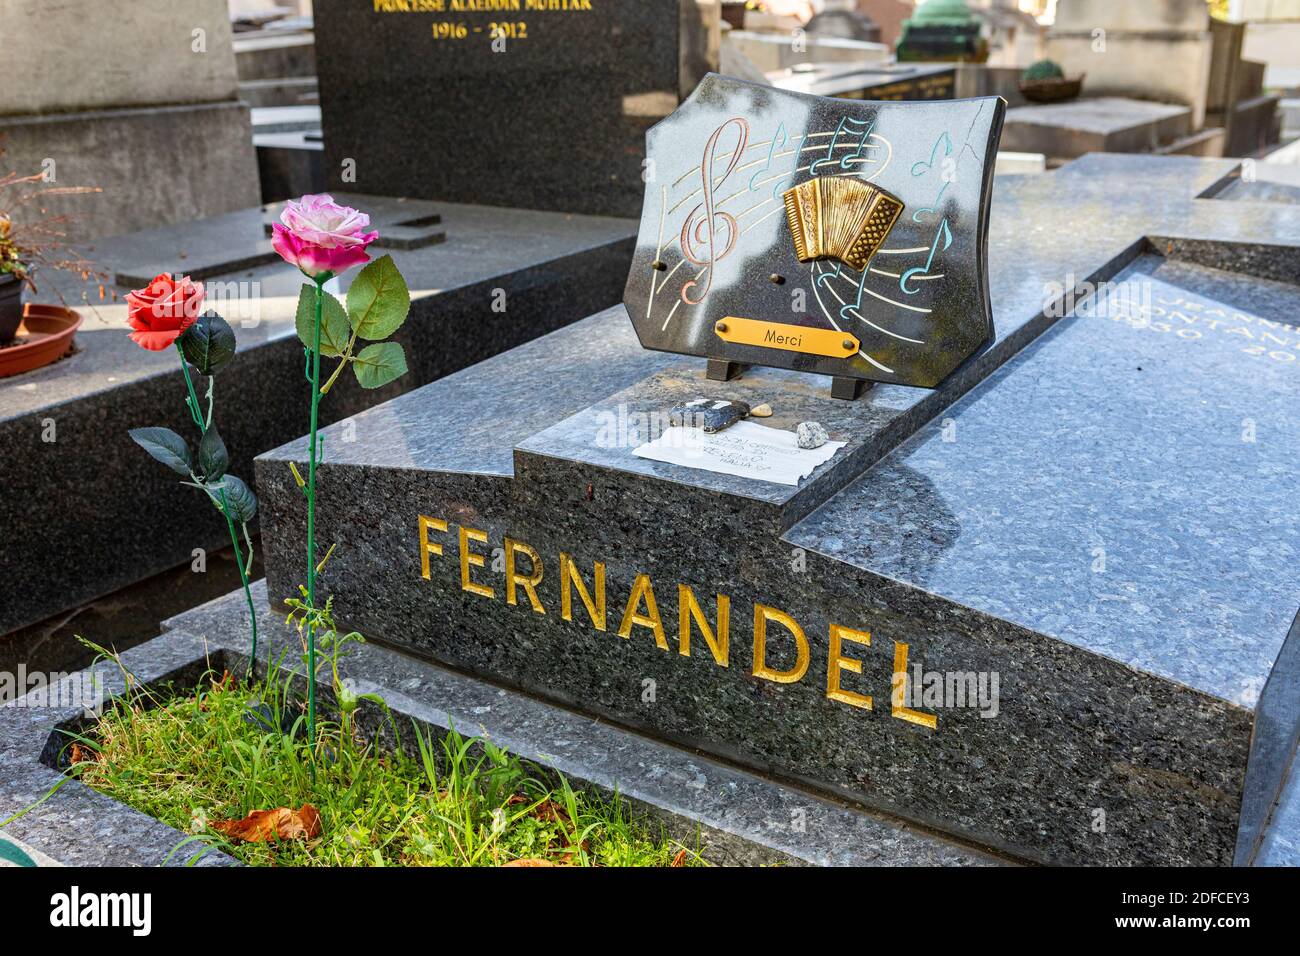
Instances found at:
x=942 y=30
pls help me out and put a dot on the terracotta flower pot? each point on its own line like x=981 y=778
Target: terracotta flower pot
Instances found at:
x=48 y=332
x=11 y=307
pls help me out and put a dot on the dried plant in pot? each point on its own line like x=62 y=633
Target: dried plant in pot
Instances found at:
x=11 y=306
x=31 y=238
x=1046 y=82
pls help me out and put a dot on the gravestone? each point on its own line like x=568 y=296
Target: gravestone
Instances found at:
x=763 y=198
x=74 y=112
x=1045 y=606
x=943 y=30
x=527 y=103
x=483 y=280
x=1111 y=124
x=1159 y=50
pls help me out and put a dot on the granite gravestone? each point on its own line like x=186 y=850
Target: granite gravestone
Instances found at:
x=483 y=280
x=539 y=104
x=845 y=238
x=1053 y=621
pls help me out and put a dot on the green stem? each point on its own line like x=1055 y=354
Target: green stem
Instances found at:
x=243 y=578
x=311 y=518
x=197 y=415
x=192 y=403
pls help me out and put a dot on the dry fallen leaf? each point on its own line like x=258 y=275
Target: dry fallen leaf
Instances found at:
x=533 y=861
x=264 y=826
x=82 y=754
x=548 y=811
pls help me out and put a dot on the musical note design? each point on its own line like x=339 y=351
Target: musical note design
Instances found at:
x=857 y=132
x=780 y=140
x=943 y=233
x=704 y=222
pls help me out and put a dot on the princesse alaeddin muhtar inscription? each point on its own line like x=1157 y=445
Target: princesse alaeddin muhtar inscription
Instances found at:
x=639 y=616
x=451 y=29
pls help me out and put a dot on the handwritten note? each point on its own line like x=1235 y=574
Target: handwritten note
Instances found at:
x=746 y=450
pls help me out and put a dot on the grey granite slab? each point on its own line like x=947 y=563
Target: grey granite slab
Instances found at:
x=734 y=817
x=75 y=825
x=1110 y=743
x=1270 y=826
x=1104 y=124
x=89 y=513
x=1113 y=486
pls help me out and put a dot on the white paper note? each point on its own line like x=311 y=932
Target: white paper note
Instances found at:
x=746 y=449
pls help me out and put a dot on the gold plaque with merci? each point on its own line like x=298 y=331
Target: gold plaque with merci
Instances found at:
x=790 y=338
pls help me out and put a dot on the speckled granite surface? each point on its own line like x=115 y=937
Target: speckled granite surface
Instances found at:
x=89 y=513
x=1127 y=696
x=1124 y=487
x=733 y=816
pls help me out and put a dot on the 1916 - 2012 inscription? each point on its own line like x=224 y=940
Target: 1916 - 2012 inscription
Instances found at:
x=495 y=30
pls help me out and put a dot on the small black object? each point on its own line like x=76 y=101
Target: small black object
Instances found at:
x=777 y=279
x=847 y=388
x=711 y=415
x=720 y=370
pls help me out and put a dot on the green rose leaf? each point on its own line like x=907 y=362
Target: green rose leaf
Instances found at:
x=213 y=457
x=334 y=328
x=240 y=498
x=379 y=364
x=165 y=446
x=378 y=300
x=209 y=343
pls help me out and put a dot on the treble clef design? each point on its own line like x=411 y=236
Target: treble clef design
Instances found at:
x=705 y=222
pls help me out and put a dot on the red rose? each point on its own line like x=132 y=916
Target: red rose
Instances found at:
x=159 y=313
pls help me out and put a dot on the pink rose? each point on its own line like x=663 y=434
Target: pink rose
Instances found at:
x=321 y=237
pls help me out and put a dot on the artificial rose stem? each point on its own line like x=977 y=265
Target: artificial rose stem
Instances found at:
x=311 y=518
x=193 y=404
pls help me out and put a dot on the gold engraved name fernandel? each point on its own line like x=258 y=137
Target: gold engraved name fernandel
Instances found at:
x=640 y=617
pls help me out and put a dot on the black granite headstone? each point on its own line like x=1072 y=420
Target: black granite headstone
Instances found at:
x=539 y=104
x=829 y=236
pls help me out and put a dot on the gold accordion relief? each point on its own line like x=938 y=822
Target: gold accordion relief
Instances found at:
x=838 y=217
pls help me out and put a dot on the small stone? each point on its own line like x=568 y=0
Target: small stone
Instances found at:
x=812 y=435
x=761 y=411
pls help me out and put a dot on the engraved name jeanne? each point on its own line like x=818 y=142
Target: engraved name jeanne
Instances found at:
x=641 y=610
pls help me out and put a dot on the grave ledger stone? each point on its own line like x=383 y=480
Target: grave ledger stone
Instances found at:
x=539 y=104
x=1019 y=607
x=483 y=280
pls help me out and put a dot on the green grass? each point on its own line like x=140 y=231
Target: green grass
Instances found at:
x=217 y=753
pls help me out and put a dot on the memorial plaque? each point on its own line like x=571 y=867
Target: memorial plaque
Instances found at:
x=540 y=104
x=1020 y=608
x=821 y=235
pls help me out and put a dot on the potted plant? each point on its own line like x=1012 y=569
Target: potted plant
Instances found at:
x=26 y=244
x=1046 y=82
x=12 y=276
